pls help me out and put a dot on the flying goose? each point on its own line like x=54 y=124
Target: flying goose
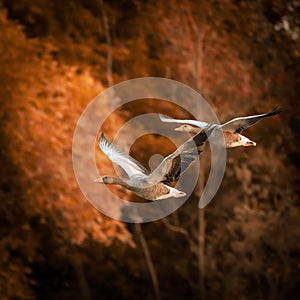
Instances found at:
x=157 y=184
x=231 y=129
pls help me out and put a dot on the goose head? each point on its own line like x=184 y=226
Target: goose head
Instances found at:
x=187 y=128
x=106 y=180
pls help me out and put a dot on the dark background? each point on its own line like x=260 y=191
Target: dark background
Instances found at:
x=55 y=56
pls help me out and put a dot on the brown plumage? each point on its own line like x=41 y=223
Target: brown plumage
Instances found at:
x=231 y=129
x=155 y=185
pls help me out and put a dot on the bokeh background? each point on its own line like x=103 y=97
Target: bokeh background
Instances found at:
x=55 y=57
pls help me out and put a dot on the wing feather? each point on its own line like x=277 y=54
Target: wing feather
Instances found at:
x=131 y=166
x=179 y=161
x=190 y=122
x=241 y=123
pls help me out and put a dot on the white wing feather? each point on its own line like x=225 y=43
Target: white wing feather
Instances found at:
x=241 y=123
x=190 y=122
x=125 y=161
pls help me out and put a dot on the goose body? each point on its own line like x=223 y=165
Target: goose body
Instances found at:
x=231 y=129
x=157 y=184
x=158 y=191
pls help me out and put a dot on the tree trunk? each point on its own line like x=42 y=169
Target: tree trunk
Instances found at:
x=148 y=260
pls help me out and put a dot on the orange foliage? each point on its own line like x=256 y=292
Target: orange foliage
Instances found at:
x=242 y=55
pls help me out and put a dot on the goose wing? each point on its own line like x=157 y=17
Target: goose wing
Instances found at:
x=190 y=122
x=131 y=166
x=241 y=123
x=179 y=164
x=179 y=161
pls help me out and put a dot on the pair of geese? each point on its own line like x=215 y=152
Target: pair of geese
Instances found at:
x=157 y=185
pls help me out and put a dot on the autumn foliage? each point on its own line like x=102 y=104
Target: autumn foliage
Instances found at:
x=56 y=56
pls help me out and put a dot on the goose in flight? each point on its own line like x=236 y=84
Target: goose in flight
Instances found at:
x=231 y=129
x=157 y=184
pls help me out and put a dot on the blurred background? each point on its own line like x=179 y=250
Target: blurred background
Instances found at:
x=55 y=57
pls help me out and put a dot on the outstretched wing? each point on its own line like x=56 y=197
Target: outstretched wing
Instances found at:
x=179 y=161
x=131 y=166
x=190 y=122
x=241 y=123
x=179 y=165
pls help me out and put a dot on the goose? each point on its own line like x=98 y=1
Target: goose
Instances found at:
x=231 y=129
x=157 y=184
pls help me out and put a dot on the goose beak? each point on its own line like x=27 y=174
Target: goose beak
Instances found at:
x=178 y=129
x=98 y=180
